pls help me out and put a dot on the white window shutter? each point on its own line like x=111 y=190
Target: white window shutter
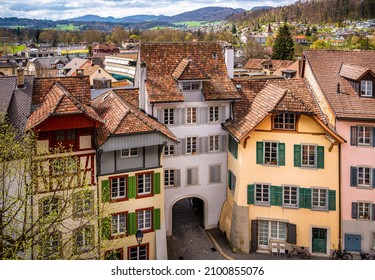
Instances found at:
x=159 y=114
x=177 y=181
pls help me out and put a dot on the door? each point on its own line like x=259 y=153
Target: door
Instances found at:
x=353 y=242
x=319 y=240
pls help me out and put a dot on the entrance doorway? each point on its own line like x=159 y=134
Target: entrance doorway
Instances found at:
x=319 y=240
x=353 y=242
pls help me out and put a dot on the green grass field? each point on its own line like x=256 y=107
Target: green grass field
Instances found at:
x=191 y=24
x=67 y=27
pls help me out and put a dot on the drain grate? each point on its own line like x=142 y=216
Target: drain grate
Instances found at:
x=213 y=249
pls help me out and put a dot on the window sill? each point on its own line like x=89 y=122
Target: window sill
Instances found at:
x=320 y=209
x=144 y=195
x=114 y=200
x=117 y=236
x=262 y=204
x=290 y=206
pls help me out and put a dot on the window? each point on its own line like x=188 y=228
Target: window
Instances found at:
x=278 y=230
x=191 y=145
x=231 y=181
x=144 y=184
x=190 y=85
x=68 y=138
x=118 y=225
x=233 y=146
x=308 y=155
x=364 y=135
x=364 y=177
x=215 y=171
x=169 y=116
x=138 y=253
x=118 y=187
x=64 y=166
x=192 y=176
x=83 y=203
x=214 y=114
x=116 y=254
x=285 y=121
x=51 y=246
x=132 y=152
x=270 y=230
x=290 y=196
x=169 y=177
x=144 y=219
x=191 y=115
x=49 y=206
x=366 y=88
x=270 y=153
x=262 y=194
x=83 y=239
x=214 y=143
x=169 y=150
x=364 y=210
x=319 y=199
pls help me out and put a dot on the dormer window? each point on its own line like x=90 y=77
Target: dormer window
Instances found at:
x=285 y=121
x=191 y=85
x=366 y=88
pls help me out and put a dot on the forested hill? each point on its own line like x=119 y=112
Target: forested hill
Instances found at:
x=311 y=11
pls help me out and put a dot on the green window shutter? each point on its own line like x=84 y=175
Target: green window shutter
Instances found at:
x=332 y=200
x=250 y=194
x=301 y=198
x=229 y=179
x=132 y=186
x=297 y=155
x=132 y=223
x=156 y=183
x=320 y=157
x=307 y=199
x=259 y=152
x=353 y=176
x=156 y=219
x=281 y=148
x=276 y=196
x=106 y=228
x=235 y=149
x=106 y=192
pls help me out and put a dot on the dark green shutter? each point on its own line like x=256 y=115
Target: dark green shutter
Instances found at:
x=250 y=194
x=106 y=191
x=235 y=149
x=276 y=196
x=229 y=179
x=259 y=152
x=307 y=200
x=332 y=200
x=301 y=198
x=132 y=223
x=281 y=153
x=156 y=219
x=354 y=210
x=106 y=228
x=132 y=186
x=320 y=157
x=353 y=176
x=353 y=136
x=292 y=233
x=156 y=183
x=373 y=136
x=297 y=155
x=373 y=178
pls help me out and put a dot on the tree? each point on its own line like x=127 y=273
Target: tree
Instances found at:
x=46 y=202
x=234 y=29
x=253 y=49
x=283 y=47
x=119 y=34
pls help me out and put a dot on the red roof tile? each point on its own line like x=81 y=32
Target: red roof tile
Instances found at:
x=187 y=70
x=353 y=72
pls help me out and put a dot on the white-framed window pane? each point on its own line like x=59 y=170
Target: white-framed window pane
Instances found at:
x=83 y=203
x=118 y=224
x=51 y=246
x=270 y=153
x=214 y=114
x=364 y=210
x=138 y=253
x=263 y=233
x=144 y=183
x=83 y=238
x=319 y=199
x=169 y=150
x=144 y=219
x=50 y=206
x=214 y=143
x=191 y=145
x=284 y=121
x=132 y=152
x=118 y=187
x=366 y=88
x=364 y=135
x=215 y=172
x=364 y=176
x=191 y=115
x=262 y=194
x=169 y=177
x=309 y=155
x=169 y=116
x=290 y=197
x=192 y=176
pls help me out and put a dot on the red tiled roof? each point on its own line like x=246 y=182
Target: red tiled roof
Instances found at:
x=187 y=70
x=123 y=118
x=257 y=63
x=353 y=72
x=162 y=59
x=326 y=67
x=57 y=102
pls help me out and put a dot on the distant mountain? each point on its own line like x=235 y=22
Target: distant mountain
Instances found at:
x=261 y=8
x=95 y=18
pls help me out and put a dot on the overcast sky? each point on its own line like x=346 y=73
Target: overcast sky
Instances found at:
x=64 y=9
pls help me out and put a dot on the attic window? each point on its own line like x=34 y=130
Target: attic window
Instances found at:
x=238 y=86
x=366 y=88
x=285 y=121
x=214 y=55
x=190 y=85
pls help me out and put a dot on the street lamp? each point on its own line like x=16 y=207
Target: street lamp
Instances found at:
x=139 y=236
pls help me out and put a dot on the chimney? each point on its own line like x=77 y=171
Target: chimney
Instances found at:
x=142 y=87
x=229 y=60
x=20 y=77
x=338 y=88
x=79 y=72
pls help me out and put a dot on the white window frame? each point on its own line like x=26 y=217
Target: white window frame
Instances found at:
x=83 y=202
x=366 y=88
x=141 y=252
x=361 y=176
x=169 y=177
x=233 y=179
x=362 y=135
x=121 y=184
x=87 y=234
x=191 y=145
x=316 y=196
x=266 y=230
x=213 y=112
x=209 y=173
x=131 y=152
x=271 y=158
x=191 y=85
x=169 y=150
x=144 y=219
x=51 y=248
x=146 y=184
x=168 y=116
x=282 y=121
x=191 y=115
x=48 y=208
x=214 y=143
x=307 y=161
x=260 y=197
x=362 y=213
x=292 y=200
x=118 y=224
x=187 y=177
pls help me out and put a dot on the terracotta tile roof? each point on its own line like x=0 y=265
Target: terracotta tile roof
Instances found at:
x=187 y=70
x=258 y=63
x=353 y=72
x=162 y=59
x=260 y=98
x=8 y=85
x=79 y=87
x=57 y=102
x=129 y=95
x=123 y=118
x=326 y=67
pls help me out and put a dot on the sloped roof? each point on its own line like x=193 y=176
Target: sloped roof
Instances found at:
x=353 y=72
x=188 y=70
x=8 y=85
x=259 y=99
x=162 y=59
x=48 y=62
x=122 y=118
x=257 y=63
x=326 y=67
x=57 y=102
x=74 y=64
